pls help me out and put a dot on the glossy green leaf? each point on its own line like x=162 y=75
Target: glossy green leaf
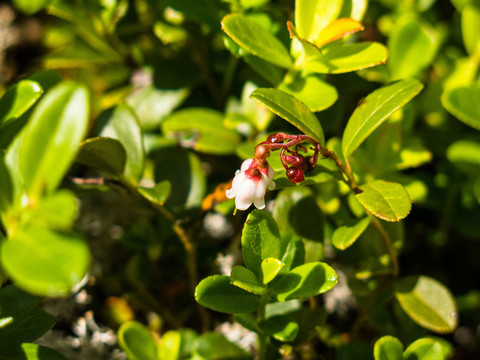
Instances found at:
x=428 y=302
x=104 y=154
x=311 y=90
x=412 y=47
x=20 y=320
x=30 y=7
x=214 y=346
x=216 y=293
x=427 y=349
x=273 y=74
x=121 y=123
x=295 y=253
x=176 y=344
x=157 y=194
x=344 y=58
x=246 y=280
x=57 y=126
x=256 y=39
x=281 y=327
x=470 y=29
x=183 y=169
x=385 y=199
x=18 y=99
x=311 y=16
x=57 y=262
x=292 y=110
x=464 y=104
x=201 y=129
x=345 y=235
x=260 y=240
x=388 y=348
x=374 y=110
x=137 y=341
x=270 y=268
x=304 y=281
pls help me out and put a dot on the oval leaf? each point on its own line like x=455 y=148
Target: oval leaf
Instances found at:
x=270 y=268
x=336 y=30
x=137 y=341
x=256 y=39
x=388 y=348
x=56 y=262
x=470 y=29
x=294 y=111
x=311 y=16
x=202 y=129
x=385 y=199
x=374 y=110
x=281 y=327
x=103 y=153
x=428 y=303
x=216 y=346
x=18 y=99
x=57 y=126
x=344 y=58
x=260 y=240
x=464 y=104
x=245 y=279
x=304 y=281
x=158 y=194
x=121 y=123
x=428 y=349
x=216 y=293
x=344 y=236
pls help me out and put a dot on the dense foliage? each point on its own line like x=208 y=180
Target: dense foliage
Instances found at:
x=355 y=126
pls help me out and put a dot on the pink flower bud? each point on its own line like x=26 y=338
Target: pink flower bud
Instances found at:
x=250 y=185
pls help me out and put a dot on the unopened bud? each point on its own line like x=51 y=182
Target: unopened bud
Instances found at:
x=261 y=153
x=295 y=175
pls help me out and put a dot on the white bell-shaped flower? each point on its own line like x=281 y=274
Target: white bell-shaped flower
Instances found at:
x=250 y=185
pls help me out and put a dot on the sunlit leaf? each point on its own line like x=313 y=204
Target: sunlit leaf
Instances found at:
x=345 y=235
x=137 y=341
x=246 y=280
x=18 y=99
x=336 y=30
x=386 y=200
x=464 y=104
x=311 y=16
x=388 y=348
x=281 y=327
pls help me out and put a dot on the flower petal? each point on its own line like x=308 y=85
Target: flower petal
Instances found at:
x=246 y=164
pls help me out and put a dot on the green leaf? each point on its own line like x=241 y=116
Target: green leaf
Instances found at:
x=304 y=281
x=176 y=344
x=345 y=235
x=412 y=47
x=30 y=7
x=311 y=90
x=137 y=341
x=464 y=104
x=120 y=123
x=27 y=351
x=6 y=186
x=295 y=210
x=18 y=99
x=20 y=320
x=270 y=268
x=103 y=153
x=281 y=327
x=158 y=194
x=57 y=126
x=428 y=302
x=213 y=346
x=56 y=211
x=216 y=293
x=247 y=280
x=338 y=59
x=201 y=129
x=152 y=105
x=311 y=16
x=256 y=39
x=273 y=74
x=426 y=349
x=57 y=262
x=385 y=199
x=292 y=110
x=260 y=240
x=374 y=110
x=294 y=254
x=470 y=29
x=465 y=154
x=388 y=348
